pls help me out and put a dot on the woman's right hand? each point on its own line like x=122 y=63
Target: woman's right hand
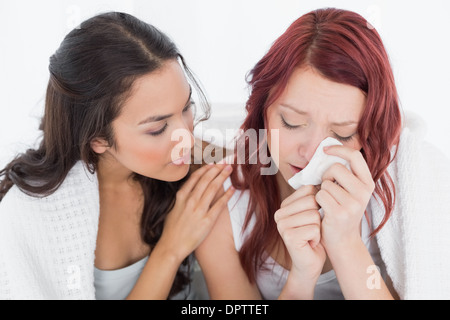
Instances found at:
x=196 y=210
x=298 y=222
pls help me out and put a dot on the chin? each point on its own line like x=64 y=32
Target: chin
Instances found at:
x=174 y=173
x=168 y=173
x=288 y=172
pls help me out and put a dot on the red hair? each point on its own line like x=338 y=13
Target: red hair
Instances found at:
x=344 y=48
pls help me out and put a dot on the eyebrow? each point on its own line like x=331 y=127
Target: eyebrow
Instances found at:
x=303 y=113
x=163 y=117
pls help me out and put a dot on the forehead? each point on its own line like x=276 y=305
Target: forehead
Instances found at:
x=308 y=91
x=160 y=92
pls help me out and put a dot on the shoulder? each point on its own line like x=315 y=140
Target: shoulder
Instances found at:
x=421 y=174
x=416 y=153
x=229 y=226
x=76 y=196
x=417 y=231
x=80 y=188
x=50 y=238
x=238 y=207
x=218 y=256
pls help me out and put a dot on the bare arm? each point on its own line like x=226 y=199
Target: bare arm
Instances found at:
x=358 y=276
x=185 y=227
x=157 y=276
x=344 y=204
x=220 y=263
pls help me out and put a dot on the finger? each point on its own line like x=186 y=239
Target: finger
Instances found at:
x=339 y=194
x=303 y=204
x=213 y=188
x=300 y=193
x=302 y=236
x=221 y=204
x=326 y=201
x=193 y=179
x=339 y=173
x=311 y=234
x=355 y=158
x=305 y=218
x=205 y=180
x=315 y=235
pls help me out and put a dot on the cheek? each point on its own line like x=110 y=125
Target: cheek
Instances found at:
x=280 y=141
x=141 y=153
x=354 y=144
x=152 y=159
x=273 y=141
x=152 y=152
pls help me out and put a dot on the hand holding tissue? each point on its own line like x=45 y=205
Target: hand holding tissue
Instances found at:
x=320 y=162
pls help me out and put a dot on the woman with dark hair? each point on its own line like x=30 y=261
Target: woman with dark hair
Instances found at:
x=384 y=232
x=108 y=206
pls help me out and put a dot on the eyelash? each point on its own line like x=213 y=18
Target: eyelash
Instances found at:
x=189 y=106
x=344 y=139
x=161 y=131
x=289 y=127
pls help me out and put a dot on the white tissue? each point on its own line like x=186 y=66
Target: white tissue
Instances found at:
x=320 y=162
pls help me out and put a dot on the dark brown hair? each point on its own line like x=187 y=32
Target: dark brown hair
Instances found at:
x=91 y=75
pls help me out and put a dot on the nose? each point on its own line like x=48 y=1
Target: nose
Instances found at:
x=188 y=124
x=183 y=136
x=189 y=129
x=307 y=149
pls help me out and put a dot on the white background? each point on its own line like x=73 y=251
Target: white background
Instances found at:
x=221 y=41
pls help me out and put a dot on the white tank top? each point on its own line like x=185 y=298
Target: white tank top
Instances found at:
x=117 y=284
x=272 y=278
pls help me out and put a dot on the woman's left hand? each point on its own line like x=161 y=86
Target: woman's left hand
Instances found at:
x=344 y=196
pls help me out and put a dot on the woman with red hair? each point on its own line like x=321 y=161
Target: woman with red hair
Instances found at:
x=384 y=233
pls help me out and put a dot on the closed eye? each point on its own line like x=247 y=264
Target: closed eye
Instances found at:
x=159 y=132
x=287 y=125
x=344 y=139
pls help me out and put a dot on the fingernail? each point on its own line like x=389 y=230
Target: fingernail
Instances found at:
x=228 y=168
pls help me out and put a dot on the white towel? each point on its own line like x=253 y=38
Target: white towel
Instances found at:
x=415 y=241
x=47 y=245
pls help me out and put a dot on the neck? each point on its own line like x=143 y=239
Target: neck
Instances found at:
x=285 y=189
x=113 y=175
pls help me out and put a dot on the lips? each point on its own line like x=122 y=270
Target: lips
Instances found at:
x=295 y=169
x=186 y=159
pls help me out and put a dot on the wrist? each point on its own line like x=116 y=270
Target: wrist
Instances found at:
x=354 y=268
x=298 y=288
x=344 y=246
x=165 y=254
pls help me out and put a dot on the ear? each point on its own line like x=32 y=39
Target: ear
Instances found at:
x=99 y=145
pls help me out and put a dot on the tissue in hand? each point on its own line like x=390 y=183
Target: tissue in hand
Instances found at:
x=320 y=162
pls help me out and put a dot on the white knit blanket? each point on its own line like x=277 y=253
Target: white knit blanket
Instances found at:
x=415 y=242
x=47 y=244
